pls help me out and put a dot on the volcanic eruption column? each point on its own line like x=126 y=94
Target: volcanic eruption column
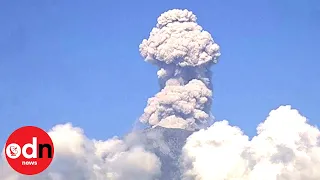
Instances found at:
x=184 y=53
x=285 y=147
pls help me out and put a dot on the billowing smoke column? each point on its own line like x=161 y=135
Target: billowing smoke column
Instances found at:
x=184 y=54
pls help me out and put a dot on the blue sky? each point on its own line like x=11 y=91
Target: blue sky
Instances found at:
x=79 y=61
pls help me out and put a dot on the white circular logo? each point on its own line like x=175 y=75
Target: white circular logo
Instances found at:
x=13 y=151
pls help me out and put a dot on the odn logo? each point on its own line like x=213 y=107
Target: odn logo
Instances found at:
x=29 y=150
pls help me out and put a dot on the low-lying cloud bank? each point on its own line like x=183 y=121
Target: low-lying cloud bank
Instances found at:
x=285 y=147
x=80 y=158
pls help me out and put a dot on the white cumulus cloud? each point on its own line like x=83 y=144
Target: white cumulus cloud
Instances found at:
x=286 y=147
x=80 y=158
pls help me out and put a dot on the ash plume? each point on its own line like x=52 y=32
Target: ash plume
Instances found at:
x=184 y=53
